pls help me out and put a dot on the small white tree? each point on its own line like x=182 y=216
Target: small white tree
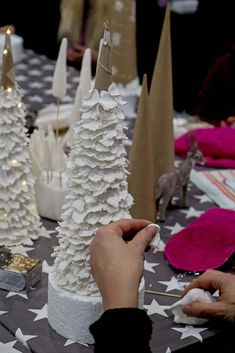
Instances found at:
x=19 y=220
x=97 y=180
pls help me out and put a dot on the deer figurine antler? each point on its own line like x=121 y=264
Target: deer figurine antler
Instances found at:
x=178 y=179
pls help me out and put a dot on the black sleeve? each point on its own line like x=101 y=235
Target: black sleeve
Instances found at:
x=124 y=330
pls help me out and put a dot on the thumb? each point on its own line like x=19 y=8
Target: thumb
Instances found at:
x=206 y=310
x=144 y=237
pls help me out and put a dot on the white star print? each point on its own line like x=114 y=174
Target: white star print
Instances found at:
x=48 y=67
x=12 y=294
x=68 y=342
x=41 y=313
x=8 y=347
x=188 y=331
x=23 y=250
x=36 y=85
x=22 y=78
x=173 y=284
x=23 y=338
x=155 y=308
x=175 y=229
x=34 y=73
x=35 y=99
x=46 y=234
x=191 y=212
x=3 y=312
x=45 y=267
x=202 y=198
x=149 y=266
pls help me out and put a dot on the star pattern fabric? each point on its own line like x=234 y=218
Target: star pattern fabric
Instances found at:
x=174 y=284
x=8 y=347
x=192 y=212
x=175 y=229
x=23 y=338
x=155 y=308
x=41 y=313
x=149 y=266
x=190 y=331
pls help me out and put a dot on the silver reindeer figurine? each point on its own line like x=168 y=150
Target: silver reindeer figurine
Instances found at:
x=178 y=179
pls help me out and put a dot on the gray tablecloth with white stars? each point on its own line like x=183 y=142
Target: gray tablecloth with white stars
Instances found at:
x=23 y=317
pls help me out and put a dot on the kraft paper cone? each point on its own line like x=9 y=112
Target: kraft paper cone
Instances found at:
x=8 y=71
x=141 y=181
x=161 y=104
x=123 y=28
x=104 y=76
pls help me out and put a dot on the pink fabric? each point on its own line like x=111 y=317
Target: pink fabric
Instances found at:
x=217 y=145
x=206 y=243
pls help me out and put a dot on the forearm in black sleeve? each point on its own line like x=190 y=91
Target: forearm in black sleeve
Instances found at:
x=123 y=330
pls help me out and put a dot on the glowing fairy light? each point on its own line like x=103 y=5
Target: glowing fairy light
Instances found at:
x=24 y=183
x=8 y=31
x=9 y=89
x=5 y=51
x=19 y=105
x=14 y=162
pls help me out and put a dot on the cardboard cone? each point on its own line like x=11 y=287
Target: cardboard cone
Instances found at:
x=161 y=104
x=104 y=76
x=8 y=72
x=123 y=28
x=141 y=181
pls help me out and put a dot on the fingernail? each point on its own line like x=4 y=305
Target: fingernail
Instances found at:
x=155 y=241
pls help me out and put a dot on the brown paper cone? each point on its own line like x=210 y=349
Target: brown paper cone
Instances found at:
x=104 y=76
x=161 y=104
x=123 y=28
x=8 y=72
x=141 y=181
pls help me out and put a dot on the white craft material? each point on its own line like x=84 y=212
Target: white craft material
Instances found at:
x=70 y=314
x=48 y=116
x=194 y=294
x=157 y=243
x=50 y=196
x=17 y=47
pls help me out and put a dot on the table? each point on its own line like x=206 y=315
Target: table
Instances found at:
x=23 y=317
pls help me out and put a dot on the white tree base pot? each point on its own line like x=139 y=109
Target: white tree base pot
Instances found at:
x=70 y=314
x=50 y=197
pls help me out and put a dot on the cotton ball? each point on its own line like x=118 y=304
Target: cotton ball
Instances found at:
x=194 y=294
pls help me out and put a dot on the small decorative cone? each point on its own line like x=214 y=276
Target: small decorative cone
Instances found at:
x=8 y=72
x=59 y=80
x=85 y=74
x=104 y=76
x=123 y=27
x=161 y=104
x=141 y=181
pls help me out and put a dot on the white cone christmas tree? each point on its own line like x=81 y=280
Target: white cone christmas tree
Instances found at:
x=19 y=220
x=97 y=196
x=97 y=180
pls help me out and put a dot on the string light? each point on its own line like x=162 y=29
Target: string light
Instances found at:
x=19 y=105
x=5 y=51
x=8 y=31
x=24 y=183
x=14 y=162
x=9 y=89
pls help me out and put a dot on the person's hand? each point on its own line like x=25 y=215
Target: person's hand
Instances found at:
x=224 y=307
x=117 y=266
x=230 y=121
x=76 y=53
